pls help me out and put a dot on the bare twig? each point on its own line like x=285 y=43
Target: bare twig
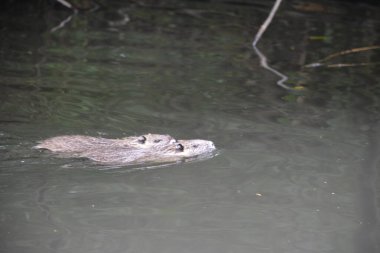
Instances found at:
x=66 y=20
x=321 y=63
x=350 y=51
x=65 y=3
x=266 y=23
x=263 y=59
x=264 y=64
x=342 y=65
x=62 y=24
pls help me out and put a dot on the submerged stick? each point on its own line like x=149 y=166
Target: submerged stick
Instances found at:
x=263 y=59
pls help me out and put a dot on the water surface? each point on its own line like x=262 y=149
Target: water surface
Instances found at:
x=296 y=171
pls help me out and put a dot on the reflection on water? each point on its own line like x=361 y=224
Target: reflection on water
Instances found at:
x=295 y=172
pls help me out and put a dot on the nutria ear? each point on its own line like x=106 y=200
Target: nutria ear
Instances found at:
x=141 y=139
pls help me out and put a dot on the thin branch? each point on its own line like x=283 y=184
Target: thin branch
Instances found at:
x=263 y=59
x=65 y=3
x=266 y=23
x=62 y=24
x=66 y=20
x=264 y=64
x=321 y=63
x=342 y=65
x=350 y=51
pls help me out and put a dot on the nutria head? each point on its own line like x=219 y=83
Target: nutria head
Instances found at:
x=190 y=148
x=185 y=148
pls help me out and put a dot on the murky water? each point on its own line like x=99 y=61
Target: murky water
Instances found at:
x=296 y=172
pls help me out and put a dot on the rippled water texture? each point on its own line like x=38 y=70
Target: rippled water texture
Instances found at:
x=296 y=172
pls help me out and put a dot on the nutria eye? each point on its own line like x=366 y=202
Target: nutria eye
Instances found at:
x=157 y=140
x=141 y=139
x=179 y=147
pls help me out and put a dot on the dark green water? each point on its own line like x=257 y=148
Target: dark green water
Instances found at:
x=296 y=172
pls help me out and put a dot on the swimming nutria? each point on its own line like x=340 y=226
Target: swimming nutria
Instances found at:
x=149 y=148
x=80 y=143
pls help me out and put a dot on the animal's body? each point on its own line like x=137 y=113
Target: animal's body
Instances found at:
x=149 y=148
